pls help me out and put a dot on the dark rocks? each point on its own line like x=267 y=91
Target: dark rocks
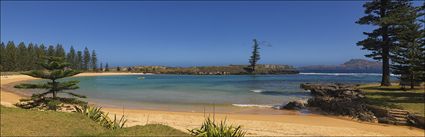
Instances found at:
x=296 y=105
x=416 y=120
x=339 y=99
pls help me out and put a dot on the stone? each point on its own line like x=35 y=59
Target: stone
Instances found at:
x=296 y=105
x=416 y=120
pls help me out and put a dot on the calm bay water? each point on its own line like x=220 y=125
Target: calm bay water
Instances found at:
x=159 y=91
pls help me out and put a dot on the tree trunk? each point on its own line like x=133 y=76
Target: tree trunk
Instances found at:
x=385 y=67
x=54 y=88
x=54 y=95
x=385 y=48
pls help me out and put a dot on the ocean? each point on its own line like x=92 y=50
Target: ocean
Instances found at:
x=184 y=92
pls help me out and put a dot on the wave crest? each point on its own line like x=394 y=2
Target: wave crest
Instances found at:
x=252 y=105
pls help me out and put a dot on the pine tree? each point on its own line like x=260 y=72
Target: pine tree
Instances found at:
x=407 y=56
x=59 y=51
x=106 y=67
x=41 y=53
x=31 y=62
x=22 y=57
x=54 y=70
x=79 y=60
x=86 y=59
x=255 y=56
x=2 y=55
x=70 y=57
x=380 y=41
x=10 y=57
x=51 y=51
x=93 y=60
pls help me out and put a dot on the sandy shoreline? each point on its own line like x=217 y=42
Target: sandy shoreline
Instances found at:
x=260 y=125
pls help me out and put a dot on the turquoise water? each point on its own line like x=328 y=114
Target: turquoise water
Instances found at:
x=186 y=90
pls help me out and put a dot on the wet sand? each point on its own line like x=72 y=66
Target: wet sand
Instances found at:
x=255 y=124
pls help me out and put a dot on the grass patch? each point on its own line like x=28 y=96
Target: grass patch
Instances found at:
x=394 y=96
x=23 y=122
x=147 y=130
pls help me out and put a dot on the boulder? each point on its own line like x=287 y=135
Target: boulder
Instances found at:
x=296 y=105
x=416 y=120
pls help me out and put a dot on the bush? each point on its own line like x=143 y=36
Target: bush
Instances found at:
x=96 y=114
x=211 y=129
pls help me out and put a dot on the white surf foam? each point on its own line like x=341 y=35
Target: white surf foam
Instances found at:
x=256 y=90
x=252 y=105
x=344 y=74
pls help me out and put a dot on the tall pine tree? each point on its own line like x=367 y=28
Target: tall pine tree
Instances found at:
x=70 y=57
x=408 y=55
x=51 y=51
x=59 y=51
x=31 y=62
x=10 y=57
x=86 y=59
x=2 y=55
x=93 y=60
x=381 y=40
x=22 y=57
x=79 y=60
x=255 y=56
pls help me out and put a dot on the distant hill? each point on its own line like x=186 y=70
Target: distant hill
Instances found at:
x=351 y=66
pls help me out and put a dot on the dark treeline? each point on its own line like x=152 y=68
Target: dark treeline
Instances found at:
x=24 y=57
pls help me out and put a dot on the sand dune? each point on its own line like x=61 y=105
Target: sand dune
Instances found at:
x=255 y=124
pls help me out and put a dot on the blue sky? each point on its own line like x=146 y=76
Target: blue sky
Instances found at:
x=192 y=33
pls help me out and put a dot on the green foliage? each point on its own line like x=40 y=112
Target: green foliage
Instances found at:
x=55 y=68
x=86 y=59
x=254 y=57
x=380 y=41
x=24 y=57
x=212 y=129
x=93 y=60
x=408 y=56
x=96 y=114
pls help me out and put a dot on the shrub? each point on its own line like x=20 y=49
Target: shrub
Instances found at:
x=97 y=115
x=211 y=129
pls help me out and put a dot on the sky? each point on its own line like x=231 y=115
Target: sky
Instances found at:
x=189 y=33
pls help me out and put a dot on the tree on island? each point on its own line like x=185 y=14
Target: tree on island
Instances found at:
x=254 y=57
x=55 y=68
x=408 y=56
x=381 y=40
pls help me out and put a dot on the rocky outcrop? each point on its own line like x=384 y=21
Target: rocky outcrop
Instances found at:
x=296 y=105
x=339 y=99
